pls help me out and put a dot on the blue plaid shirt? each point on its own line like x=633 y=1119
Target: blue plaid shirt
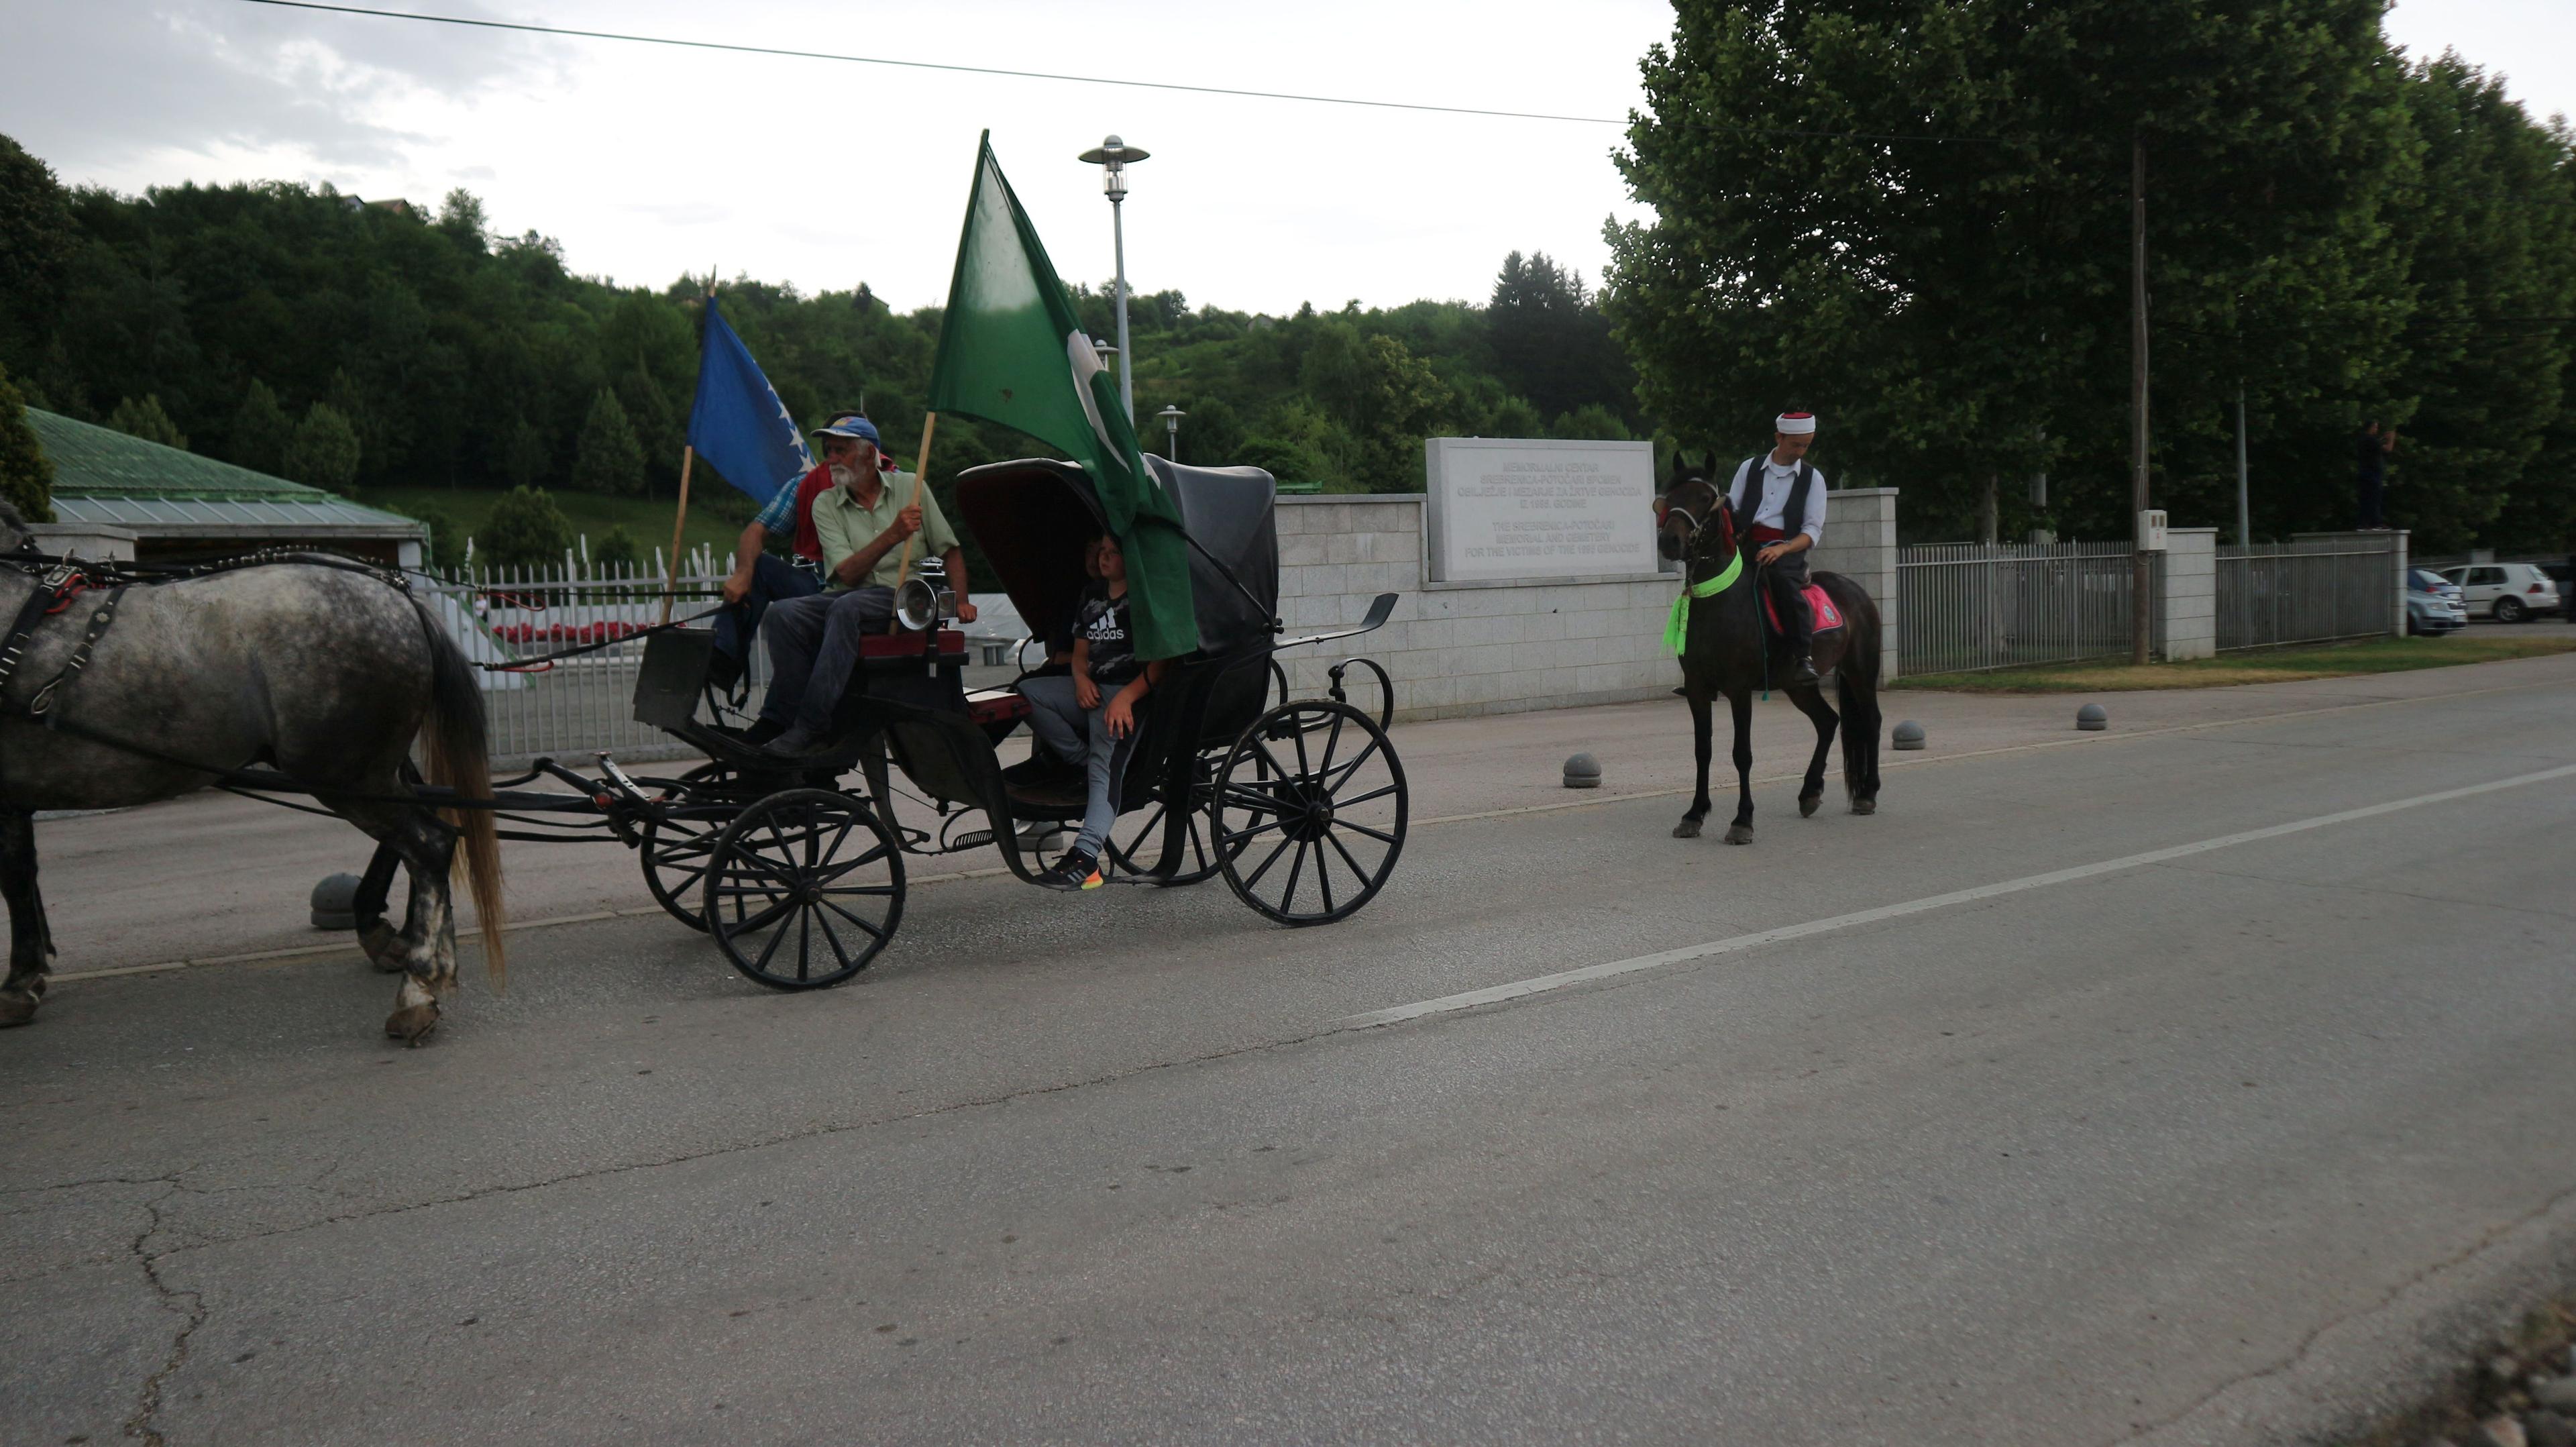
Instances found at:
x=779 y=514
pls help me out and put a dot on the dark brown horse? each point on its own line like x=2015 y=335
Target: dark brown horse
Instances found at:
x=1726 y=649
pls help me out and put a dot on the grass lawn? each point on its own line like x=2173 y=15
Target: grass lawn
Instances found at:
x=649 y=521
x=2277 y=665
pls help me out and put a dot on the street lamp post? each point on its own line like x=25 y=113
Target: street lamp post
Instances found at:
x=1172 y=432
x=1112 y=156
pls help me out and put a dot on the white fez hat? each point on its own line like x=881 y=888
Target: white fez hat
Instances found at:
x=1795 y=424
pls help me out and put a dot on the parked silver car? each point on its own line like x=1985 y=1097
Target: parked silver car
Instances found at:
x=2433 y=605
x=2506 y=592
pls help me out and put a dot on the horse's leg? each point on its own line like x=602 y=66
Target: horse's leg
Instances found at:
x=31 y=943
x=1701 y=727
x=1740 y=703
x=1811 y=702
x=425 y=950
x=374 y=935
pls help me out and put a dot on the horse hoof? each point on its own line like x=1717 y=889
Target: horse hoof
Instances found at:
x=1807 y=805
x=412 y=1023
x=1864 y=806
x=17 y=1009
x=378 y=940
x=1740 y=834
x=1687 y=829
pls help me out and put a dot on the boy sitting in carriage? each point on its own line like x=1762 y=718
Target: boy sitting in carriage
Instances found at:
x=1089 y=714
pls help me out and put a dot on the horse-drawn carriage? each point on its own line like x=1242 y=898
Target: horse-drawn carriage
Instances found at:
x=1300 y=805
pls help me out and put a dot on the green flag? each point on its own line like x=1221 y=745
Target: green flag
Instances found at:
x=1011 y=351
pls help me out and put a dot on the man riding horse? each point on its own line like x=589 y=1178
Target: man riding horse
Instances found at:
x=1769 y=497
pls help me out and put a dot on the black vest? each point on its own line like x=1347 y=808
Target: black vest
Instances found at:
x=1795 y=510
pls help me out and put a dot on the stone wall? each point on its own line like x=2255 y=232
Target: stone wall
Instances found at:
x=2190 y=600
x=1490 y=647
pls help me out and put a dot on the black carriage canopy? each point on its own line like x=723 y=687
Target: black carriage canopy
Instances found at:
x=1033 y=518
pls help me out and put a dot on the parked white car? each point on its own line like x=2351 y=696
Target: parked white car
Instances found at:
x=2506 y=592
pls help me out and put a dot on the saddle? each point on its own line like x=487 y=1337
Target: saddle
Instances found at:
x=1820 y=606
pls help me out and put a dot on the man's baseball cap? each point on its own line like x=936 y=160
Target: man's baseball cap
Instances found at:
x=851 y=425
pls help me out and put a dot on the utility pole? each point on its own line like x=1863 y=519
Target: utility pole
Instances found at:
x=2141 y=633
x=2244 y=505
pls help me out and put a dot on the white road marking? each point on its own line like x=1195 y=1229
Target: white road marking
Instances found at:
x=1542 y=984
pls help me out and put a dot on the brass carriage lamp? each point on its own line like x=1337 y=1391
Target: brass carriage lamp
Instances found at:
x=1113 y=156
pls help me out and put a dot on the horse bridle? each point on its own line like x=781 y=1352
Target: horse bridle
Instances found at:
x=1697 y=524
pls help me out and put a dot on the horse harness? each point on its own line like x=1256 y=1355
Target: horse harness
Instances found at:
x=60 y=580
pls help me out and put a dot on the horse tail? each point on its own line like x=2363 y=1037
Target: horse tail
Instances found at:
x=1856 y=689
x=457 y=756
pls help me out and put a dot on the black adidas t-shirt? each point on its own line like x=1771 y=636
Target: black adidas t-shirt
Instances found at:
x=1103 y=623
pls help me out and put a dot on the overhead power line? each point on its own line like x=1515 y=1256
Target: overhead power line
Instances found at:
x=1334 y=100
x=1330 y=100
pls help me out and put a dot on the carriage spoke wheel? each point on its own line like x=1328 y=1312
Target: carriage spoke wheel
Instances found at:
x=803 y=889
x=1137 y=849
x=675 y=851
x=1310 y=812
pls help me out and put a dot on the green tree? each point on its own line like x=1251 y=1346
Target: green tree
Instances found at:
x=524 y=529
x=524 y=457
x=26 y=473
x=1956 y=301
x=260 y=431
x=146 y=420
x=1551 y=341
x=37 y=244
x=2493 y=271
x=1592 y=423
x=608 y=460
x=617 y=546
x=323 y=452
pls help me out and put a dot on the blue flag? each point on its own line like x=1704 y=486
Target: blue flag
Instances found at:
x=738 y=423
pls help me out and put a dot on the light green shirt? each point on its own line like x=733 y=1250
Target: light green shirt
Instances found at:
x=844 y=527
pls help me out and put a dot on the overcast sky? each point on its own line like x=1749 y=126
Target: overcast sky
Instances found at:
x=649 y=161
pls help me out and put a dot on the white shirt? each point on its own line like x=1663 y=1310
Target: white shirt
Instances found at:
x=1777 y=479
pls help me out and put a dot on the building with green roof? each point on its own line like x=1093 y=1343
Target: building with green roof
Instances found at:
x=109 y=486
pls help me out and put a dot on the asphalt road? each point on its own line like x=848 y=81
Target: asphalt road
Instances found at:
x=1898 y=1129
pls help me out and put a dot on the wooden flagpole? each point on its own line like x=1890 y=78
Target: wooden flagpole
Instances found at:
x=920 y=475
x=679 y=523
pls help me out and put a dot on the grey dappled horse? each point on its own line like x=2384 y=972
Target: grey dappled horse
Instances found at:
x=1728 y=650
x=328 y=674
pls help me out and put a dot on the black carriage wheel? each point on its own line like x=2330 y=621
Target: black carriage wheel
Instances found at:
x=804 y=888
x=1310 y=812
x=1142 y=844
x=675 y=851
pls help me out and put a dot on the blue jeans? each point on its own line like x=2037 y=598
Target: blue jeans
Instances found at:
x=813 y=650
x=1075 y=732
x=773 y=580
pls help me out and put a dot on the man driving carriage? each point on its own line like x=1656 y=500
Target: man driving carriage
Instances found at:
x=861 y=524
x=761 y=577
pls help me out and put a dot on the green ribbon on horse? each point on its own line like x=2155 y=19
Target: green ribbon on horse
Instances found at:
x=1677 y=624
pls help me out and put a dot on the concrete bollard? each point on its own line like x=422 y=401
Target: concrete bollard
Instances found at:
x=335 y=902
x=1583 y=772
x=2092 y=719
x=1908 y=735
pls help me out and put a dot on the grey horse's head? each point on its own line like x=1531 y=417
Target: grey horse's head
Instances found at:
x=13 y=529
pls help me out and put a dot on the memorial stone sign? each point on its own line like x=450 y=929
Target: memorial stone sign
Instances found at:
x=1507 y=509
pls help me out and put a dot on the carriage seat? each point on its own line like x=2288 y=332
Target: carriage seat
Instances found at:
x=907 y=646
x=991 y=706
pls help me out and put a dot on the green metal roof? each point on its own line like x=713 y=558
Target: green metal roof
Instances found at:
x=102 y=462
x=103 y=476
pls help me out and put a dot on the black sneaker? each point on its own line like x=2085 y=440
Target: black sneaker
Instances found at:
x=762 y=732
x=1079 y=869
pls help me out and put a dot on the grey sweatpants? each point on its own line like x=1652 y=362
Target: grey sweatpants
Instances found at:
x=1075 y=732
x=813 y=649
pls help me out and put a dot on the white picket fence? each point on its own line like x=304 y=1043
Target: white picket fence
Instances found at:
x=574 y=706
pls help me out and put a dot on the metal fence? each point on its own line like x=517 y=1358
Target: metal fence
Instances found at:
x=1966 y=607
x=575 y=705
x=2294 y=592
